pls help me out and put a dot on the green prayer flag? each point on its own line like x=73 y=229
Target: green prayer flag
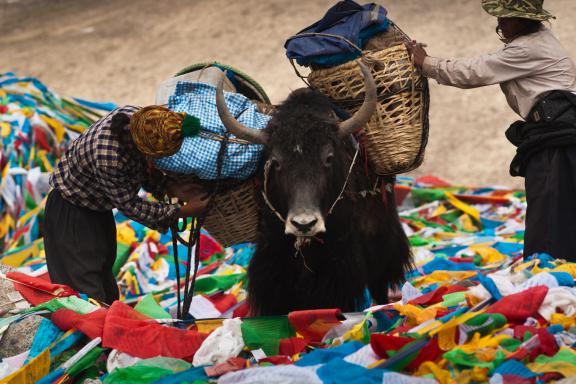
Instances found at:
x=212 y=284
x=29 y=201
x=122 y=254
x=149 y=307
x=266 y=333
x=136 y=374
x=424 y=195
x=85 y=362
x=451 y=216
x=484 y=323
x=459 y=357
x=147 y=371
x=511 y=345
x=73 y=303
x=172 y=363
x=564 y=354
x=417 y=241
x=453 y=299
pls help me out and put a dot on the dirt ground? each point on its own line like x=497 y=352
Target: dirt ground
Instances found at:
x=120 y=51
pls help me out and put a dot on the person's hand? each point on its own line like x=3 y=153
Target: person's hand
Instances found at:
x=417 y=51
x=195 y=205
x=184 y=191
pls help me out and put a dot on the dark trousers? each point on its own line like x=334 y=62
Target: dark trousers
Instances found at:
x=551 y=197
x=80 y=247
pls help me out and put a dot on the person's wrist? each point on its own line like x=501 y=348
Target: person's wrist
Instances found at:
x=421 y=60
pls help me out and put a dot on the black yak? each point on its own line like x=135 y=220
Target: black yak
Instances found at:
x=324 y=234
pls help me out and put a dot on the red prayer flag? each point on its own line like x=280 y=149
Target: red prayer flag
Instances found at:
x=314 y=324
x=223 y=301
x=432 y=181
x=242 y=311
x=436 y=295
x=91 y=324
x=382 y=344
x=514 y=379
x=138 y=335
x=37 y=290
x=292 y=346
x=519 y=306
x=208 y=247
x=230 y=365
x=430 y=352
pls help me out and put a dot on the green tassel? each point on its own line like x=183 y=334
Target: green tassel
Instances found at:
x=190 y=126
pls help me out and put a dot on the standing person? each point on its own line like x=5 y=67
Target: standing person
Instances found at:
x=538 y=79
x=104 y=169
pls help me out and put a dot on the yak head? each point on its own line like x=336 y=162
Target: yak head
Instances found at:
x=306 y=164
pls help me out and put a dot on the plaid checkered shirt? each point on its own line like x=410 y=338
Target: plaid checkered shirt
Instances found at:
x=101 y=172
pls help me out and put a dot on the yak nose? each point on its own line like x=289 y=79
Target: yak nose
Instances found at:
x=304 y=222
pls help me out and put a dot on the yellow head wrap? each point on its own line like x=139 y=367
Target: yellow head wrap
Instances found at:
x=158 y=131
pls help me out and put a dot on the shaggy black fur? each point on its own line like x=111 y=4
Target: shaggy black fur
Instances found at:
x=364 y=244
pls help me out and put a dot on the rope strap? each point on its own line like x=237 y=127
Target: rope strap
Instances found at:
x=194 y=241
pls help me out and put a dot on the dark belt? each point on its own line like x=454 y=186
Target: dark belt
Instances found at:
x=555 y=106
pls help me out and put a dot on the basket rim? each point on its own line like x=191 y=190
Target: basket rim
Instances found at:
x=241 y=74
x=350 y=65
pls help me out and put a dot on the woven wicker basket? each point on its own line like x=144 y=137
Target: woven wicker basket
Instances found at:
x=397 y=134
x=233 y=218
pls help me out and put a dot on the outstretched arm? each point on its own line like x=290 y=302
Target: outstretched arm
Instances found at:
x=153 y=214
x=509 y=63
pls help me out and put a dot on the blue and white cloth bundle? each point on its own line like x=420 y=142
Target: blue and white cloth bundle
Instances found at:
x=198 y=155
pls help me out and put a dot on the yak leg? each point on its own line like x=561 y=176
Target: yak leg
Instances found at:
x=389 y=257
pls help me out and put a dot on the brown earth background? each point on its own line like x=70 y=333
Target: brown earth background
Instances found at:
x=119 y=51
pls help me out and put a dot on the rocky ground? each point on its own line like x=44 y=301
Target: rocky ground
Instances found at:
x=18 y=338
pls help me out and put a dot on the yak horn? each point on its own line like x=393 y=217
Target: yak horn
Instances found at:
x=363 y=115
x=239 y=130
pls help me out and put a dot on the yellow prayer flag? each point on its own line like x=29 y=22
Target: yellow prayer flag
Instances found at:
x=443 y=277
x=56 y=125
x=5 y=129
x=564 y=367
x=562 y=319
x=45 y=162
x=467 y=224
x=357 y=332
x=569 y=268
x=34 y=212
x=440 y=374
x=17 y=258
x=207 y=326
x=439 y=211
x=463 y=206
x=36 y=369
x=489 y=255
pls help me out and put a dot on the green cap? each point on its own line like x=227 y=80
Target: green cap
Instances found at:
x=526 y=9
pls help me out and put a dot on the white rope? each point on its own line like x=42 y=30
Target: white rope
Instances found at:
x=265 y=191
x=341 y=195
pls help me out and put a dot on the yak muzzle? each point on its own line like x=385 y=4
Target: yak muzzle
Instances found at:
x=306 y=223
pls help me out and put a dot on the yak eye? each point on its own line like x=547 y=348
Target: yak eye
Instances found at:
x=275 y=164
x=328 y=158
